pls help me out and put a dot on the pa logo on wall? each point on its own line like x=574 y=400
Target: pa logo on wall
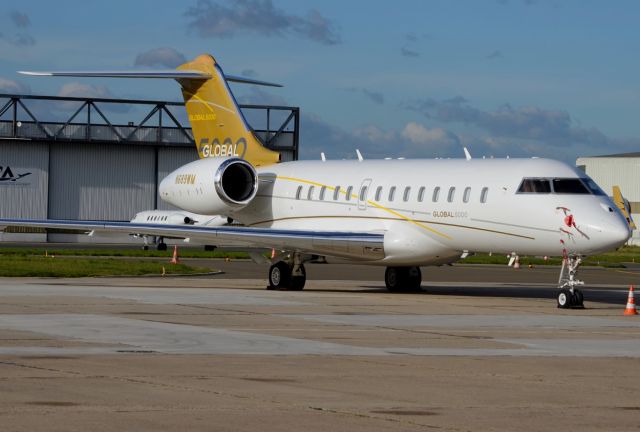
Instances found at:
x=10 y=176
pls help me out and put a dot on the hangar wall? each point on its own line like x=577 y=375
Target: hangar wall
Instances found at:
x=98 y=171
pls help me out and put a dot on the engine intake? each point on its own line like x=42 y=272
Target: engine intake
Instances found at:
x=236 y=181
x=211 y=186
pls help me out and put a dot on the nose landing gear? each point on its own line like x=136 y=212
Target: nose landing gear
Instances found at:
x=569 y=296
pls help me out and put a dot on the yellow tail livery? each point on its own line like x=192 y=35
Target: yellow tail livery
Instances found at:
x=219 y=128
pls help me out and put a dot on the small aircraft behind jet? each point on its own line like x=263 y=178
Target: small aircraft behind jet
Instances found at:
x=401 y=214
x=173 y=217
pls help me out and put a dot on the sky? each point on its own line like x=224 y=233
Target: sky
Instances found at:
x=410 y=78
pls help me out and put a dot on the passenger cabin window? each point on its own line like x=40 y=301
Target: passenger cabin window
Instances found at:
x=323 y=189
x=363 y=193
x=421 y=193
x=392 y=192
x=378 y=193
x=336 y=193
x=299 y=192
x=532 y=185
x=349 y=190
x=483 y=194
x=436 y=194
x=407 y=192
x=569 y=186
x=310 y=193
x=451 y=194
x=466 y=194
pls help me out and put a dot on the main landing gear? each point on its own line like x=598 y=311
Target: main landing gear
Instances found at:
x=403 y=279
x=288 y=274
x=569 y=296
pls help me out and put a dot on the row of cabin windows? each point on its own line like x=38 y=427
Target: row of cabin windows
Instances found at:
x=157 y=218
x=406 y=195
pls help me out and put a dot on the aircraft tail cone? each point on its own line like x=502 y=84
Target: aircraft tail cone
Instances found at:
x=631 y=304
x=174 y=259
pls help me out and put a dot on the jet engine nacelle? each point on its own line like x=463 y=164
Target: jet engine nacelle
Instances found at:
x=211 y=186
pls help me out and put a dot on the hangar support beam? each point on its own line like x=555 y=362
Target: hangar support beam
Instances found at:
x=95 y=120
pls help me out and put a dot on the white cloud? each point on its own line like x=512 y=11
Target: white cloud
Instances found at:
x=75 y=89
x=225 y=19
x=13 y=87
x=420 y=135
x=165 y=56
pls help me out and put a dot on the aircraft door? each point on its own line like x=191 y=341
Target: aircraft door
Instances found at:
x=363 y=193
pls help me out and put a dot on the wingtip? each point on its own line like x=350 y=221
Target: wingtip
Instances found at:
x=35 y=73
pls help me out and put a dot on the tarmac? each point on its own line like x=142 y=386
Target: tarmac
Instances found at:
x=481 y=348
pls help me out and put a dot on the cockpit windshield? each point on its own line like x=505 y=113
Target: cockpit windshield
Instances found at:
x=569 y=186
x=593 y=187
x=576 y=186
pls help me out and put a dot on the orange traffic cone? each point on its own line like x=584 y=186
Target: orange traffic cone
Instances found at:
x=516 y=265
x=273 y=253
x=174 y=259
x=631 y=303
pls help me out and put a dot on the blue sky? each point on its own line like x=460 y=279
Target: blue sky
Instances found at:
x=526 y=78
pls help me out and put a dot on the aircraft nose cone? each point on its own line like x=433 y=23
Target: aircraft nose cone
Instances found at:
x=618 y=233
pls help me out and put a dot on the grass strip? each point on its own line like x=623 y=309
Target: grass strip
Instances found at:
x=40 y=266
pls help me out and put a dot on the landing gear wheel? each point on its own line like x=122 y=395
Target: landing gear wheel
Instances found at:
x=280 y=276
x=565 y=299
x=298 y=280
x=414 y=279
x=145 y=247
x=403 y=279
x=162 y=246
x=578 y=299
x=393 y=278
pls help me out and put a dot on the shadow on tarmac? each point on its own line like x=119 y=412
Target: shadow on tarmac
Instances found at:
x=612 y=295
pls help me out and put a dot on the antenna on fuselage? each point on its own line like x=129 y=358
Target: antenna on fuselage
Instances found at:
x=467 y=155
x=324 y=159
x=360 y=158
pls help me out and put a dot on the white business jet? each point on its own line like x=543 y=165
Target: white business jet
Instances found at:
x=173 y=217
x=401 y=214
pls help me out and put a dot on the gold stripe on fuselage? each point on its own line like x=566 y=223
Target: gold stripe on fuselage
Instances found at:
x=394 y=219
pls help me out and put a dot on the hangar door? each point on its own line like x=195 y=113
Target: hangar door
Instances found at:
x=100 y=181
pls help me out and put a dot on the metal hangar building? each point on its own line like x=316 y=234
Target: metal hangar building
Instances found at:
x=76 y=158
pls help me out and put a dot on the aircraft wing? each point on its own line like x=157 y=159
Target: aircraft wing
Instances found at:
x=353 y=245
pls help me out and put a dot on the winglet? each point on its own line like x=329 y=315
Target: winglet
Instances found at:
x=623 y=205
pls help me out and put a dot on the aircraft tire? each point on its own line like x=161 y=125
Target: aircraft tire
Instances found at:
x=280 y=276
x=394 y=279
x=578 y=299
x=565 y=299
x=162 y=246
x=298 y=281
x=413 y=279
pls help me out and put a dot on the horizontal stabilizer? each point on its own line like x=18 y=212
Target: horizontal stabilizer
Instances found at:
x=176 y=74
x=173 y=74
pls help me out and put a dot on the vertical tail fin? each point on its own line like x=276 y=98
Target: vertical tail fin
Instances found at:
x=219 y=128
